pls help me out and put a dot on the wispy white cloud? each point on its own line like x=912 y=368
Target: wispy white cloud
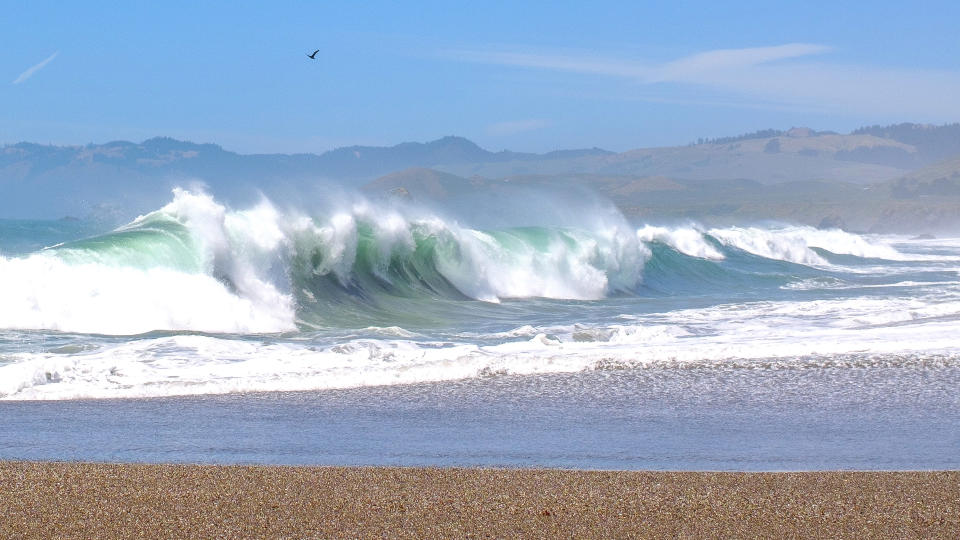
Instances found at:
x=582 y=64
x=33 y=69
x=516 y=126
x=698 y=66
x=789 y=75
x=677 y=70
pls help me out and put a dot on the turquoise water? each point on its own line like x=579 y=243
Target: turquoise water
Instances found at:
x=196 y=298
x=591 y=342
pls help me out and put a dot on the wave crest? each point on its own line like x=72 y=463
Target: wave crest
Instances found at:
x=196 y=265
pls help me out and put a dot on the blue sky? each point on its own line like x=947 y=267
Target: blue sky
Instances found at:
x=528 y=76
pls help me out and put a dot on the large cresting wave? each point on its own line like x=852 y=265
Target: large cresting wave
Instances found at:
x=196 y=265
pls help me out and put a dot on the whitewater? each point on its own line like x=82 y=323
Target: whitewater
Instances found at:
x=198 y=298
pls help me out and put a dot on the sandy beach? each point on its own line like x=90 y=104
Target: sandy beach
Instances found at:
x=132 y=500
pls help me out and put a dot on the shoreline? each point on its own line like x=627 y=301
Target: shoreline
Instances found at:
x=82 y=499
x=689 y=420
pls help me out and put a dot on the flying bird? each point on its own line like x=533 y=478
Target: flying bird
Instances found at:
x=314 y=55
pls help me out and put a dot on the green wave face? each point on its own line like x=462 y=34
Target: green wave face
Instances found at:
x=415 y=273
x=363 y=266
x=366 y=266
x=157 y=241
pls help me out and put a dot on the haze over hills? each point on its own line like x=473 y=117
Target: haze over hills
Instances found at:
x=75 y=179
x=903 y=177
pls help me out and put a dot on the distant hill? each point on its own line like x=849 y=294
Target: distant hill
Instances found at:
x=40 y=180
x=166 y=155
x=798 y=154
x=764 y=134
x=364 y=161
x=931 y=143
x=934 y=207
x=904 y=176
x=941 y=179
x=655 y=199
x=425 y=184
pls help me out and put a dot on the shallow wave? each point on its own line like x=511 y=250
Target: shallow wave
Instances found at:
x=687 y=240
x=773 y=335
x=795 y=244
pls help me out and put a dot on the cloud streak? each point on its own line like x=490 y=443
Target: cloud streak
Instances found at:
x=34 y=69
x=698 y=66
x=682 y=69
x=790 y=75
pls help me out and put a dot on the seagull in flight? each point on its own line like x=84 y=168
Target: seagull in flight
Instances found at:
x=314 y=55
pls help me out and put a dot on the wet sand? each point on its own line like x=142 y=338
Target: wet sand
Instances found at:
x=43 y=499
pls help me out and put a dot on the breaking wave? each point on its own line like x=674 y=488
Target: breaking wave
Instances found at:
x=195 y=265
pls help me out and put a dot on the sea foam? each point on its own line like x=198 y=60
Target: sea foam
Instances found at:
x=199 y=298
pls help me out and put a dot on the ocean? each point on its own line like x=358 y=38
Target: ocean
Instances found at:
x=386 y=333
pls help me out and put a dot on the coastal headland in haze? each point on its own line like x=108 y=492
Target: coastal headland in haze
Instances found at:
x=898 y=178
